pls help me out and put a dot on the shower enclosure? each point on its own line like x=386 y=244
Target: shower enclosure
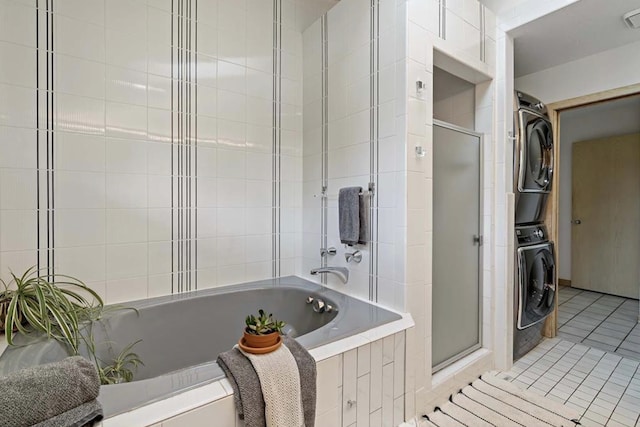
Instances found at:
x=457 y=243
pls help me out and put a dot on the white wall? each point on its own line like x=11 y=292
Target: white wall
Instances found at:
x=454 y=99
x=621 y=117
x=117 y=158
x=404 y=189
x=611 y=69
x=461 y=44
x=607 y=70
x=348 y=156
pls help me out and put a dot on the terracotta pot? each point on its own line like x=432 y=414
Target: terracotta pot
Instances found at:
x=260 y=341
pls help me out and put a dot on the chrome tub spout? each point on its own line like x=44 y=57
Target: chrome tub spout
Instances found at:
x=341 y=272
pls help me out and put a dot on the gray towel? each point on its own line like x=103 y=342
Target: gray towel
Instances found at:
x=363 y=238
x=56 y=394
x=349 y=215
x=80 y=416
x=246 y=385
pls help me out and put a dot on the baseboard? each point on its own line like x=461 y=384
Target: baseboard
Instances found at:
x=564 y=282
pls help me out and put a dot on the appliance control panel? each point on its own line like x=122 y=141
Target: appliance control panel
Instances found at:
x=530 y=103
x=531 y=234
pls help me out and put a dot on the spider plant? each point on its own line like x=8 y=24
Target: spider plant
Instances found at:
x=121 y=368
x=53 y=304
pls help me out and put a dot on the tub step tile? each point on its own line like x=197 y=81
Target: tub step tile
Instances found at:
x=223 y=411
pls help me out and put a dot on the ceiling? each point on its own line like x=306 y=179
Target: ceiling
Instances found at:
x=581 y=29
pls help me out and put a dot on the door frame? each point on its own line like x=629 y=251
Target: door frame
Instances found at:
x=552 y=215
x=479 y=345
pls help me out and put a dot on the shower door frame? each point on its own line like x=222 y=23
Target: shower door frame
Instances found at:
x=479 y=344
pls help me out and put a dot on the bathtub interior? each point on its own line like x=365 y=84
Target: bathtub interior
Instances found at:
x=183 y=334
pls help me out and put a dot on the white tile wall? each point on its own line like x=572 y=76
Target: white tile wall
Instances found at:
x=462 y=41
x=113 y=115
x=112 y=157
x=348 y=154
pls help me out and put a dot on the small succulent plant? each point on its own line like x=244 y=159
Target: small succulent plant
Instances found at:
x=263 y=324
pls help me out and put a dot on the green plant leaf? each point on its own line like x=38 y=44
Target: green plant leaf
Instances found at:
x=11 y=319
x=63 y=323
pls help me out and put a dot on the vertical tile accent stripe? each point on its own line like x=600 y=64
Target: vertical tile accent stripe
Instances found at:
x=184 y=146
x=374 y=149
x=325 y=139
x=45 y=138
x=443 y=19
x=276 y=137
x=483 y=32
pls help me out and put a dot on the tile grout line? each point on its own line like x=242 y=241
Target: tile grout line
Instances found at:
x=575 y=315
x=600 y=324
x=587 y=376
x=605 y=383
x=599 y=363
x=570 y=298
x=569 y=370
x=553 y=364
x=538 y=359
x=628 y=333
x=623 y=393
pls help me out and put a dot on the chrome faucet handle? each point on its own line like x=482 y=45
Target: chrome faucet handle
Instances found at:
x=319 y=306
x=353 y=256
x=327 y=251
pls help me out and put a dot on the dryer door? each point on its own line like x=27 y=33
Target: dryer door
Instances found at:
x=537 y=284
x=536 y=156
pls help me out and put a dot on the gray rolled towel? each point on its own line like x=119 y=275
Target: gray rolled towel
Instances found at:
x=349 y=215
x=44 y=393
x=246 y=385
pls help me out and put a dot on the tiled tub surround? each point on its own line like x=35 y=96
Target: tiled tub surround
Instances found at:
x=603 y=387
x=137 y=145
x=364 y=385
x=361 y=381
x=360 y=350
x=606 y=322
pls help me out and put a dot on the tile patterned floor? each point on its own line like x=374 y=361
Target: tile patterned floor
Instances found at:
x=603 y=387
x=601 y=321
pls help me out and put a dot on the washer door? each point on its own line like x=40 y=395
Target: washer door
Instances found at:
x=536 y=156
x=537 y=284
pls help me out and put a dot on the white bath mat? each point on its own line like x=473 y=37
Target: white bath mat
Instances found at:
x=490 y=401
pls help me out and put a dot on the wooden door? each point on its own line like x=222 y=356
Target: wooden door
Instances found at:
x=605 y=238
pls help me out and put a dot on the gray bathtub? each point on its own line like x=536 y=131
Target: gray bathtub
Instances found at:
x=183 y=334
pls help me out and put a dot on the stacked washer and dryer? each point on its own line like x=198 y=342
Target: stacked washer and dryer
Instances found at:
x=535 y=290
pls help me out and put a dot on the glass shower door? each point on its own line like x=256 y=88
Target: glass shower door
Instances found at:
x=457 y=243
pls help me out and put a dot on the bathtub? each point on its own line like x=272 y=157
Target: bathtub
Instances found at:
x=183 y=334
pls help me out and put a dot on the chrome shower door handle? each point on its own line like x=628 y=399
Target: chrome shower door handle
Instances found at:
x=576 y=222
